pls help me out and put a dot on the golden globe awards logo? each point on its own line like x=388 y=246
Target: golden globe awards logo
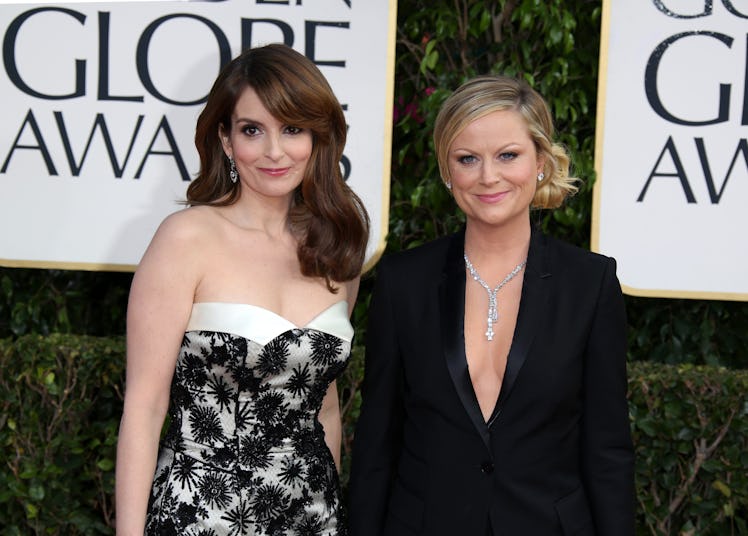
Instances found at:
x=671 y=152
x=101 y=67
x=725 y=109
x=99 y=102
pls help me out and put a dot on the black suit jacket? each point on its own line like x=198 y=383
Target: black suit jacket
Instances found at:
x=556 y=455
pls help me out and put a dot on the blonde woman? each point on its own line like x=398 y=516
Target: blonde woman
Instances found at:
x=494 y=398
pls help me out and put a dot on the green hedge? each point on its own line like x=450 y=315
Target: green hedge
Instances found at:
x=690 y=428
x=61 y=402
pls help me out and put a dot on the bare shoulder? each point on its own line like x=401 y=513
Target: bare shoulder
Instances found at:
x=188 y=223
x=179 y=243
x=187 y=229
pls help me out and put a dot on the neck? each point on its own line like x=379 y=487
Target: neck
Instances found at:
x=268 y=215
x=485 y=244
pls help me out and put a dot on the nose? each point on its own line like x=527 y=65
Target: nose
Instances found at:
x=489 y=173
x=273 y=147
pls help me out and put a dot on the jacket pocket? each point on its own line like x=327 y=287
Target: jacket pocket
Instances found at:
x=405 y=509
x=574 y=514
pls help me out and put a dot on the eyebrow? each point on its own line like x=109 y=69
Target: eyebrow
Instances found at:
x=249 y=120
x=505 y=147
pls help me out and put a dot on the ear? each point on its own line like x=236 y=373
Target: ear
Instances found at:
x=540 y=164
x=225 y=141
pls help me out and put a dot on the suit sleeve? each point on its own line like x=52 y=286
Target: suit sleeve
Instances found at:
x=378 y=431
x=608 y=456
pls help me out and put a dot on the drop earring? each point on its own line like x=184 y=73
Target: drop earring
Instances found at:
x=233 y=173
x=448 y=184
x=541 y=176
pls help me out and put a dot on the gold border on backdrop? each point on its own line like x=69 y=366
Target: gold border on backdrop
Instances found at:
x=381 y=240
x=51 y=265
x=602 y=72
x=596 y=193
x=389 y=105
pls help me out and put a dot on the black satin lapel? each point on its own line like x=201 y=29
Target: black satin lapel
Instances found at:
x=452 y=311
x=533 y=300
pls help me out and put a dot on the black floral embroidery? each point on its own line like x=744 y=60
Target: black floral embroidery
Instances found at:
x=310 y=526
x=202 y=532
x=273 y=357
x=325 y=348
x=186 y=514
x=292 y=474
x=245 y=380
x=244 y=416
x=222 y=457
x=222 y=392
x=214 y=489
x=239 y=518
x=254 y=452
x=245 y=454
x=300 y=381
x=206 y=426
x=226 y=346
x=269 y=408
x=192 y=372
x=184 y=472
x=295 y=336
x=317 y=478
x=268 y=502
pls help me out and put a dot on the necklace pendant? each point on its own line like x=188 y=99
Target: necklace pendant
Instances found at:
x=493 y=309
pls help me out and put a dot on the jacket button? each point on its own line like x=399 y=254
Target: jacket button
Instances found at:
x=486 y=467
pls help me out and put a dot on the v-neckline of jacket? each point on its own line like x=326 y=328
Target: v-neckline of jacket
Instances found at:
x=452 y=311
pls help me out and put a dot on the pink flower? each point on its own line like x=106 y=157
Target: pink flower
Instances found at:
x=402 y=110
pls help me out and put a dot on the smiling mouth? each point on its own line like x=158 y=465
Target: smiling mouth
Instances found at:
x=492 y=198
x=275 y=172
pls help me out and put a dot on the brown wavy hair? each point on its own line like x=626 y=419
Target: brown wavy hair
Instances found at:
x=327 y=218
x=483 y=95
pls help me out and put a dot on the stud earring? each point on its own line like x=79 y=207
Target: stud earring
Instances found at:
x=541 y=176
x=233 y=173
x=448 y=184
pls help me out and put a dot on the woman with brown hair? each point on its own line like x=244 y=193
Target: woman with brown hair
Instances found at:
x=238 y=318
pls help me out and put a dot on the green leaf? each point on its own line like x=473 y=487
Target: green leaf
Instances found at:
x=31 y=511
x=723 y=488
x=36 y=492
x=105 y=464
x=28 y=473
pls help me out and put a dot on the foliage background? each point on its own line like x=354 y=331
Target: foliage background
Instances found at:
x=554 y=44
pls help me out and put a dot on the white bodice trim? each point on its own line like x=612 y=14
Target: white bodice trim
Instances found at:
x=262 y=325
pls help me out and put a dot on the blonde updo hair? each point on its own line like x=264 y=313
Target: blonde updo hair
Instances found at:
x=483 y=95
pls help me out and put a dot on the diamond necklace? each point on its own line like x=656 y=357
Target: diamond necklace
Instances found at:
x=493 y=312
